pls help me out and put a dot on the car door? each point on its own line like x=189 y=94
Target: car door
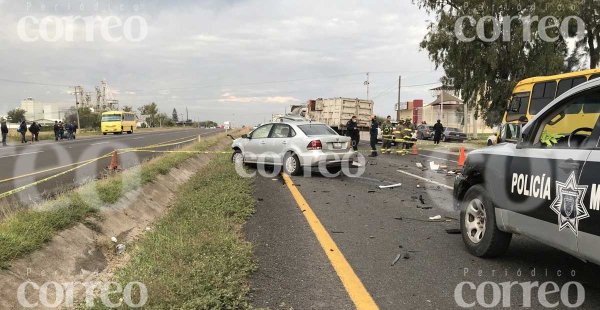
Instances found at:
x=588 y=230
x=256 y=147
x=278 y=142
x=542 y=179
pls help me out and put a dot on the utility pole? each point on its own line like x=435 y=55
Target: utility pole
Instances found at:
x=399 y=89
x=366 y=83
x=77 y=105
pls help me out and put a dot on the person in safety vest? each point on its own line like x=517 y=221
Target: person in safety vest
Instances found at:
x=387 y=135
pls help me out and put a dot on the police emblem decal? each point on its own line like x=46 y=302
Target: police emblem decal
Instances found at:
x=568 y=204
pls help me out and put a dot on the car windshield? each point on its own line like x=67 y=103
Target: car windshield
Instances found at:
x=111 y=118
x=317 y=130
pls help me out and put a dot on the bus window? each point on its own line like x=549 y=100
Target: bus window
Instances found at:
x=543 y=93
x=567 y=84
x=594 y=76
x=517 y=107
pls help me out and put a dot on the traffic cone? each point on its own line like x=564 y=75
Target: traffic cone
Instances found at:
x=415 y=151
x=114 y=162
x=461 y=157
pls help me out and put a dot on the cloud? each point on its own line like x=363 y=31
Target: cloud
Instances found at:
x=260 y=54
x=229 y=98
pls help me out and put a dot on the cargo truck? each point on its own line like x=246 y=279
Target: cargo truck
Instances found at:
x=336 y=112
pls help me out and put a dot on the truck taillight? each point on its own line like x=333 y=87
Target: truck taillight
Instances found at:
x=315 y=145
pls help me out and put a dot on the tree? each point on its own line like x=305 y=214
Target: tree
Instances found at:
x=486 y=72
x=163 y=120
x=208 y=124
x=127 y=108
x=590 y=43
x=16 y=115
x=175 y=116
x=150 y=111
x=87 y=118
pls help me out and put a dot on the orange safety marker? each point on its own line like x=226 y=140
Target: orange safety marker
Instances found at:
x=415 y=151
x=114 y=162
x=461 y=157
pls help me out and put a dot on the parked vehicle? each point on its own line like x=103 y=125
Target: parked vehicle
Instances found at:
x=453 y=134
x=544 y=186
x=294 y=145
x=336 y=112
x=424 y=132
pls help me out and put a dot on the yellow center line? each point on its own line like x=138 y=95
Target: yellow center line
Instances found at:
x=355 y=288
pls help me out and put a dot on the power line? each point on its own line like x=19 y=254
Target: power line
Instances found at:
x=34 y=83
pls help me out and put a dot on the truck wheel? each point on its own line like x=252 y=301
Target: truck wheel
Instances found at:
x=291 y=164
x=478 y=225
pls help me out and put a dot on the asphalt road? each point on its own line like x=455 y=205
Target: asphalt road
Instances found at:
x=372 y=226
x=23 y=164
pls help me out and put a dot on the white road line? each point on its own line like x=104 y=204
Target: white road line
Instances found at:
x=439 y=158
x=97 y=143
x=137 y=138
x=426 y=180
x=21 y=154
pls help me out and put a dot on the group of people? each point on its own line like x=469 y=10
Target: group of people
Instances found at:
x=35 y=128
x=60 y=128
x=404 y=134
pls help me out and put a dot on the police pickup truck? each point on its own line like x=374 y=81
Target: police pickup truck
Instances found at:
x=545 y=186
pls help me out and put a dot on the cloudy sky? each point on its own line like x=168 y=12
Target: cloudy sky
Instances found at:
x=238 y=60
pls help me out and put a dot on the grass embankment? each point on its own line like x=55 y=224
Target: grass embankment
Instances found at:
x=25 y=230
x=195 y=257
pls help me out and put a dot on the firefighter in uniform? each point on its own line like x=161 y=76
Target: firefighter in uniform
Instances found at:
x=409 y=136
x=387 y=135
x=399 y=136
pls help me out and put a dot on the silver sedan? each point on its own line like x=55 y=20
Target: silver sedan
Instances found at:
x=295 y=145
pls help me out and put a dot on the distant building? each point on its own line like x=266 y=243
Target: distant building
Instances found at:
x=36 y=110
x=450 y=111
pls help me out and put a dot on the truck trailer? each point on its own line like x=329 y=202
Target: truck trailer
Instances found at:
x=336 y=112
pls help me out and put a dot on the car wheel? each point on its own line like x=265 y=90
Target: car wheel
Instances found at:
x=291 y=164
x=490 y=143
x=237 y=157
x=478 y=225
x=334 y=169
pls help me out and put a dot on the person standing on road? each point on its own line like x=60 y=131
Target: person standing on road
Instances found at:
x=438 y=130
x=35 y=131
x=4 y=132
x=56 y=129
x=387 y=135
x=373 y=132
x=23 y=131
x=353 y=132
x=61 y=130
x=69 y=130
x=75 y=127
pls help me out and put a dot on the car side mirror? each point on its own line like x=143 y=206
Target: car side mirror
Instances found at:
x=245 y=136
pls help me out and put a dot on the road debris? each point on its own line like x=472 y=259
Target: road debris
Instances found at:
x=453 y=231
x=390 y=186
x=113 y=239
x=419 y=165
x=396 y=259
x=421 y=199
x=433 y=166
x=435 y=218
x=120 y=248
